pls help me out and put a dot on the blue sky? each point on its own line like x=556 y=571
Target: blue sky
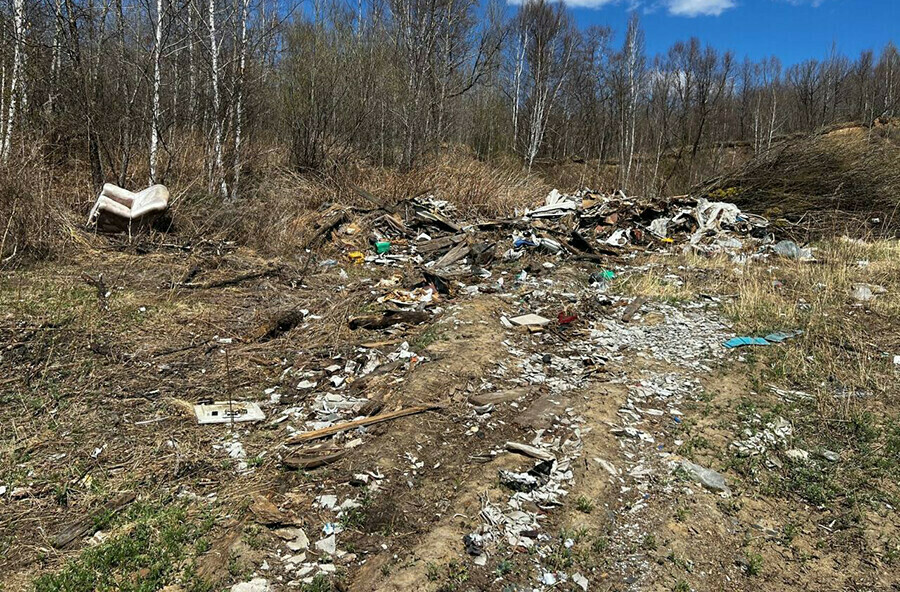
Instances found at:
x=793 y=30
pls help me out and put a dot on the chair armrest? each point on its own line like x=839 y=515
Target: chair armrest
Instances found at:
x=117 y=194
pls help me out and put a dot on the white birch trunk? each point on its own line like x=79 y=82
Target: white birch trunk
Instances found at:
x=157 y=79
x=217 y=176
x=239 y=98
x=520 y=67
x=14 y=85
x=2 y=101
x=56 y=63
x=192 y=67
x=772 y=122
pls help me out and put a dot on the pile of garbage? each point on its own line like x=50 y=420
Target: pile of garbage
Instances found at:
x=424 y=231
x=616 y=220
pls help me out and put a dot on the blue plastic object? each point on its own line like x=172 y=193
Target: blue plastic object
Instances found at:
x=742 y=341
x=770 y=339
x=524 y=242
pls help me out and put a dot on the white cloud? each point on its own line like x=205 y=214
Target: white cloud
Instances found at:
x=689 y=8
x=589 y=3
x=574 y=3
x=699 y=7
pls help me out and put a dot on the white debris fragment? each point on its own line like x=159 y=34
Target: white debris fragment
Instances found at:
x=580 y=581
x=327 y=545
x=326 y=501
x=254 y=585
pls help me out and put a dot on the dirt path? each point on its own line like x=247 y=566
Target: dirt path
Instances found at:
x=625 y=408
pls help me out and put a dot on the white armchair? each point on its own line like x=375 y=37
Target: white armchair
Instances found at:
x=118 y=209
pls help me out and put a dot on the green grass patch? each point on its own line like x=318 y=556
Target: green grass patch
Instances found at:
x=151 y=547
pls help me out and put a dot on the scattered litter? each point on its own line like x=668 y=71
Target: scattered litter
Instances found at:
x=791 y=250
x=565 y=319
x=771 y=338
x=742 y=341
x=607 y=466
x=796 y=454
x=328 y=545
x=707 y=477
x=775 y=434
x=580 y=581
x=867 y=292
x=548 y=578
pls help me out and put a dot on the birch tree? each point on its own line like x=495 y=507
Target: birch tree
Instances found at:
x=548 y=54
x=244 y=10
x=630 y=77
x=157 y=81
x=17 y=83
x=217 y=170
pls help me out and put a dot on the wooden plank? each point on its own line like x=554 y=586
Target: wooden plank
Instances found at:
x=500 y=396
x=388 y=319
x=307 y=461
x=458 y=252
x=632 y=308
x=88 y=524
x=531 y=451
x=439 y=243
x=342 y=427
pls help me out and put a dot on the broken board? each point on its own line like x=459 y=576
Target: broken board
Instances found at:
x=542 y=413
x=225 y=412
x=530 y=320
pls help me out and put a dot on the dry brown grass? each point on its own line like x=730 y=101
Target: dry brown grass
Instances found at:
x=36 y=214
x=846 y=344
x=42 y=209
x=478 y=189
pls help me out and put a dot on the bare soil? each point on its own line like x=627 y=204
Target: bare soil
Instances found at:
x=92 y=404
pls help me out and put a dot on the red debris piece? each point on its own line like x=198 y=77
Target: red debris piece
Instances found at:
x=565 y=319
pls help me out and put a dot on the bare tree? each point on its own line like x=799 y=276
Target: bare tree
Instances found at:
x=244 y=11
x=217 y=168
x=17 y=84
x=629 y=75
x=157 y=82
x=551 y=42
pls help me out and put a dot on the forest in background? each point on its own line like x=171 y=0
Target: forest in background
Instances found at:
x=214 y=94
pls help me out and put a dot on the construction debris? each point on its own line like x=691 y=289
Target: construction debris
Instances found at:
x=89 y=524
x=632 y=308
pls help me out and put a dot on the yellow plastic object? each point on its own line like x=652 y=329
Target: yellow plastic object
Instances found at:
x=356 y=257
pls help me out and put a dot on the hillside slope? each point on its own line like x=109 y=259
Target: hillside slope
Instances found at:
x=840 y=180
